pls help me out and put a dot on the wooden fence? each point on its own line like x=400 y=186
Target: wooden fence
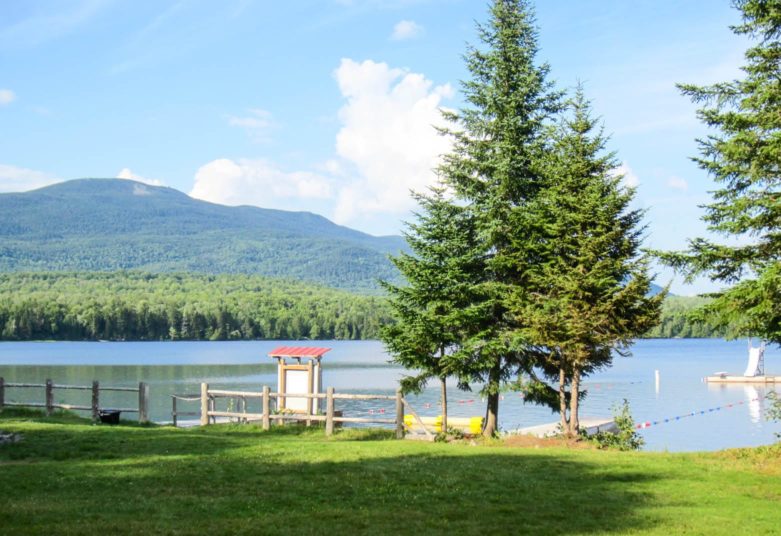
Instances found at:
x=94 y=407
x=331 y=417
x=176 y=412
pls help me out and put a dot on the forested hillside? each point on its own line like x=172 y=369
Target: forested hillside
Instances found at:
x=114 y=224
x=676 y=321
x=145 y=306
x=141 y=306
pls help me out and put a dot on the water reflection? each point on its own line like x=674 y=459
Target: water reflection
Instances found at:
x=754 y=401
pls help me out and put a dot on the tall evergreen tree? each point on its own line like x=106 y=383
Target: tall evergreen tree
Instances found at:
x=432 y=308
x=744 y=157
x=587 y=297
x=495 y=167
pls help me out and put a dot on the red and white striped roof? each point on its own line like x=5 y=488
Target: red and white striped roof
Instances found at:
x=298 y=351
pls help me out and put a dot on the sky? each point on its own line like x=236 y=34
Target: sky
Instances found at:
x=329 y=106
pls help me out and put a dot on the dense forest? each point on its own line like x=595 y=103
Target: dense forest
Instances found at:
x=143 y=306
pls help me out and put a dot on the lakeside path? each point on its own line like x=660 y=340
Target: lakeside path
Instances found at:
x=68 y=476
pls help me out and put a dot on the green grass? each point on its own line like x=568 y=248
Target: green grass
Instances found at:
x=68 y=476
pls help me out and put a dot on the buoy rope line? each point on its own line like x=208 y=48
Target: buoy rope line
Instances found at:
x=647 y=424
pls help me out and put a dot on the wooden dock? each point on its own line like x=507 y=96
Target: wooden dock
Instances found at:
x=589 y=425
x=725 y=378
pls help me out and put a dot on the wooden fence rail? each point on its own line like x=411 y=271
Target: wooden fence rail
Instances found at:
x=175 y=412
x=94 y=406
x=330 y=418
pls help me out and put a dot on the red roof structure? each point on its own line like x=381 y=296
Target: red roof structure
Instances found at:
x=299 y=351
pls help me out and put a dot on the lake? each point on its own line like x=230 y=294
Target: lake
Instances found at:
x=361 y=366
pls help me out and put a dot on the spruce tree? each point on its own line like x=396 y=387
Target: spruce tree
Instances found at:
x=431 y=310
x=743 y=156
x=587 y=296
x=495 y=167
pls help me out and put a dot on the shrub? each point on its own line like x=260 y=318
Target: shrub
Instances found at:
x=774 y=411
x=626 y=438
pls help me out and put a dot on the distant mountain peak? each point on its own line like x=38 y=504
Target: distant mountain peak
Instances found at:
x=103 y=224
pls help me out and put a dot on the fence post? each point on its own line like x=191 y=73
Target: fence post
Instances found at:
x=329 y=411
x=143 y=402
x=204 y=404
x=266 y=408
x=173 y=409
x=95 y=401
x=2 y=393
x=49 y=397
x=399 y=415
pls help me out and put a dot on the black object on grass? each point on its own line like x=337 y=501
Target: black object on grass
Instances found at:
x=109 y=416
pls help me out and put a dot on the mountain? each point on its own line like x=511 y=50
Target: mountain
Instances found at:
x=117 y=224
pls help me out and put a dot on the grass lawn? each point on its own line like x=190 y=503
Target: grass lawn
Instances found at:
x=68 y=476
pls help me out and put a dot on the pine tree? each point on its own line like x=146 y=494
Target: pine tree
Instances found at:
x=587 y=297
x=431 y=309
x=744 y=157
x=495 y=167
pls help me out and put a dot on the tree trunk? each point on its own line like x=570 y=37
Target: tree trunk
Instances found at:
x=574 y=423
x=563 y=401
x=492 y=409
x=444 y=405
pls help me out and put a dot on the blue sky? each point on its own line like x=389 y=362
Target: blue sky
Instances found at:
x=327 y=105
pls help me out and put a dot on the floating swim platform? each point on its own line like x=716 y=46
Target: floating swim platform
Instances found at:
x=726 y=378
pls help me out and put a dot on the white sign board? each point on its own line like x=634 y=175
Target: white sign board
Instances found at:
x=296 y=381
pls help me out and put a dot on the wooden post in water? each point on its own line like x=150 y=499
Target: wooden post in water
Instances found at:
x=143 y=402
x=266 y=408
x=399 y=415
x=204 y=404
x=2 y=393
x=95 y=401
x=49 y=397
x=173 y=409
x=329 y=411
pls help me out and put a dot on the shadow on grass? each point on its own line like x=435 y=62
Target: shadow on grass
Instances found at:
x=238 y=479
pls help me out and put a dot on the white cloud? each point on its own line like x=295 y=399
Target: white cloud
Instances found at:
x=406 y=29
x=678 y=183
x=257 y=123
x=125 y=173
x=6 y=96
x=386 y=146
x=630 y=179
x=17 y=179
x=387 y=136
x=256 y=182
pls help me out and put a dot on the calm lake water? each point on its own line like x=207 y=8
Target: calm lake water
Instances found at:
x=179 y=367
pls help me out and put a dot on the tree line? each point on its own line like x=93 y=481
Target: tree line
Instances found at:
x=144 y=306
x=681 y=318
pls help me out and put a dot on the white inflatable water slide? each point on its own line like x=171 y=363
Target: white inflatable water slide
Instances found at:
x=756 y=360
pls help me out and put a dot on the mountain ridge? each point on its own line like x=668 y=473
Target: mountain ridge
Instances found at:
x=95 y=224
x=98 y=224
